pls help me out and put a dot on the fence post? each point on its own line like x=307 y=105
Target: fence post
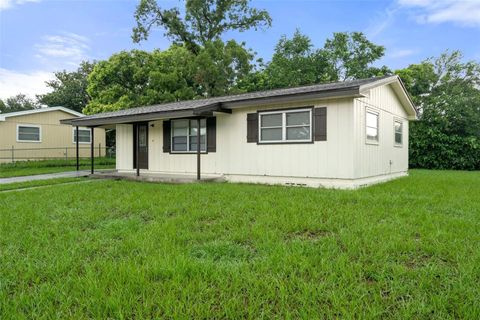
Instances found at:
x=13 y=154
x=99 y=150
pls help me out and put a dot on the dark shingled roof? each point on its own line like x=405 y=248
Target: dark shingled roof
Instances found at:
x=191 y=105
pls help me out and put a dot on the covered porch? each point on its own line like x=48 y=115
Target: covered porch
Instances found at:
x=141 y=124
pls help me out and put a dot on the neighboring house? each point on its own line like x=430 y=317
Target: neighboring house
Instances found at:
x=38 y=134
x=346 y=134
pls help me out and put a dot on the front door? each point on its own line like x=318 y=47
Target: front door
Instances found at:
x=142 y=145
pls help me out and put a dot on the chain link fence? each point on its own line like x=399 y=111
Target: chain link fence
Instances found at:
x=14 y=154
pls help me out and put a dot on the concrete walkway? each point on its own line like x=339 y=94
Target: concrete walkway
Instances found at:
x=68 y=174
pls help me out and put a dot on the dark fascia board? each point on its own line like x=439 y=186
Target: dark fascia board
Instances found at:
x=130 y=118
x=352 y=92
x=208 y=109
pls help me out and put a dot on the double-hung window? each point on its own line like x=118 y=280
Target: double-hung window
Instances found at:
x=398 y=127
x=184 y=135
x=28 y=133
x=84 y=135
x=371 y=121
x=285 y=126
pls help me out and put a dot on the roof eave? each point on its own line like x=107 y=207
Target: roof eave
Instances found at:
x=399 y=89
x=350 y=92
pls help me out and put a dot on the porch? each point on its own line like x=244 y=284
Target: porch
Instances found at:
x=156 y=177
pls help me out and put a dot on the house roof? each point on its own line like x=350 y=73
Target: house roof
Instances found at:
x=353 y=88
x=4 y=116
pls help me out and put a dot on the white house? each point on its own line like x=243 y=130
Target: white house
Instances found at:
x=343 y=135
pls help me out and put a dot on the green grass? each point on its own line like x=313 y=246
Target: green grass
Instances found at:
x=27 y=168
x=407 y=249
x=37 y=183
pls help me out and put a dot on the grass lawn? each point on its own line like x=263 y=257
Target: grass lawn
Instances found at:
x=407 y=249
x=27 y=168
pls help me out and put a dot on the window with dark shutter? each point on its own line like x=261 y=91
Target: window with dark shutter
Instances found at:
x=252 y=127
x=320 y=115
x=212 y=134
x=166 y=136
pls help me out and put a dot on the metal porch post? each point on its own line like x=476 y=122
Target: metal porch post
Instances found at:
x=77 y=148
x=92 y=148
x=137 y=148
x=198 y=149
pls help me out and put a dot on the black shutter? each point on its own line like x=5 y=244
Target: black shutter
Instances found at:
x=320 y=124
x=212 y=134
x=166 y=136
x=252 y=127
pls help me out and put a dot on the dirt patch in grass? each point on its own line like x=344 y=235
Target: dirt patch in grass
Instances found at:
x=308 y=235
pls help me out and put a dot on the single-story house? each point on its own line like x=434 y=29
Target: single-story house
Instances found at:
x=343 y=135
x=38 y=134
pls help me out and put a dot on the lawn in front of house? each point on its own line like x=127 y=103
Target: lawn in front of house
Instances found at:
x=27 y=168
x=405 y=249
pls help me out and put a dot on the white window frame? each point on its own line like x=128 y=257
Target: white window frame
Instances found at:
x=188 y=137
x=81 y=128
x=396 y=120
x=30 y=126
x=284 y=126
x=369 y=141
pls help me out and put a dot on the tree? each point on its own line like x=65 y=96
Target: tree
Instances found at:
x=203 y=21
x=294 y=63
x=351 y=56
x=20 y=102
x=69 y=88
x=446 y=91
x=137 y=78
x=220 y=66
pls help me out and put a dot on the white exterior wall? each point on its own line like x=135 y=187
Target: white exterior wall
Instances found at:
x=331 y=159
x=385 y=158
x=345 y=160
x=124 y=140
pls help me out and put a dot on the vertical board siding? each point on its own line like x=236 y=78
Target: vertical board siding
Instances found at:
x=374 y=160
x=234 y=155
x=54 y=135
x=124 y=139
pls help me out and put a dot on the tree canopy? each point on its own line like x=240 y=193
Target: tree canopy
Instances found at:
x=69 y=89
x=138 y=78
x=20 y=102
x=446 y=91
x=296 y=62
x=202 y=21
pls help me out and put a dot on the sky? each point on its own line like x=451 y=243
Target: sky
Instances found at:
x=39 y=37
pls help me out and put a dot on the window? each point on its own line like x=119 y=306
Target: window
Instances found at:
x=28 y=133
x=398 y=126
x=371 y=121
x=285 y=126
x=184 y=135
x=84 y=136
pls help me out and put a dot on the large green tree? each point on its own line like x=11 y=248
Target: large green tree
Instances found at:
x=138 y=78
x=20 y=102
x=351 y=55
x=446 y=91
x=69 y=89
x=296 y=62
x=199 y=23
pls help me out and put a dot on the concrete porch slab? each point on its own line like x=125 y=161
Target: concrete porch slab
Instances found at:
x=156 y=177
